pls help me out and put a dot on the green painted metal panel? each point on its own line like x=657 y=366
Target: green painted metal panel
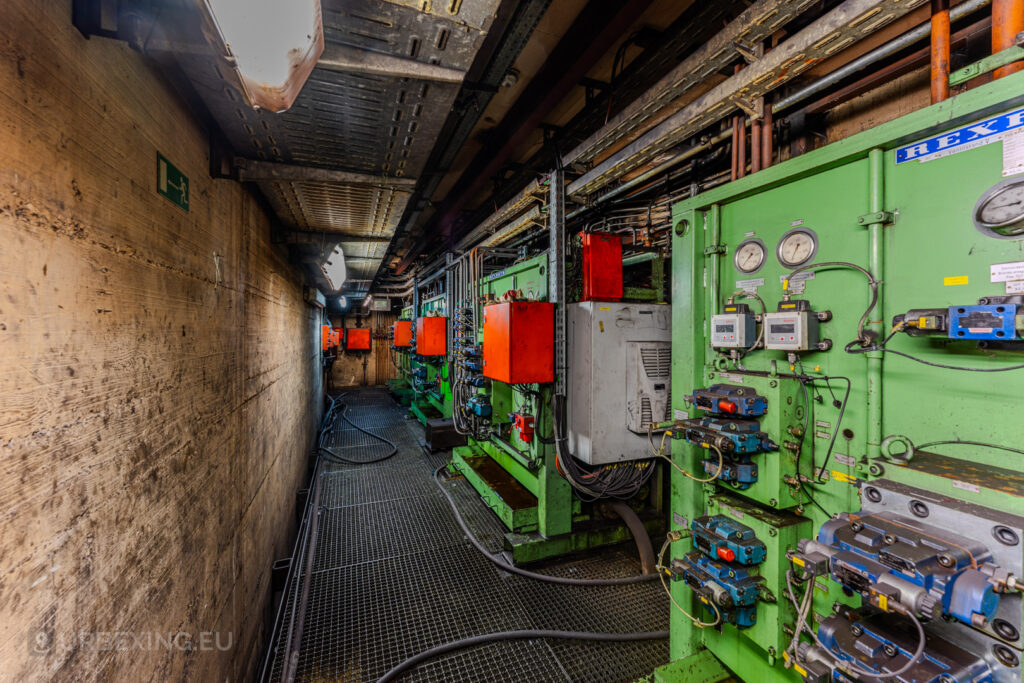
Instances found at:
x=910 y=224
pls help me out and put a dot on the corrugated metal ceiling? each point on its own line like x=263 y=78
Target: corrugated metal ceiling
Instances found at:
x=371 y=115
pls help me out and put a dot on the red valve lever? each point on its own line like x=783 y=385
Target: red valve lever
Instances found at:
x=726 y=554
x=727 y=406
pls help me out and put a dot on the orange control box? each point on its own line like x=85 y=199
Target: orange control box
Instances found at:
x=339 y=335
x=401 y=332
x=325 y=337
x=519 y=342
x=602 y=267
x=358 y=339
x=432 y=336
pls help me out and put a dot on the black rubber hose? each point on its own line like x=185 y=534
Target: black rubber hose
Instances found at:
x=516 y=635
x=335 y=456
x=636 y=527
x=511 y=568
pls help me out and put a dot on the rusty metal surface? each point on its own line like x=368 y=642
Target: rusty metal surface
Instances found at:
x=356 y=117
x=840 y=28
x=742 y=35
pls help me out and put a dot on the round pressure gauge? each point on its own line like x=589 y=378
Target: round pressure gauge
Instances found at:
x=1000 y=211
x=750 y=256
x=797 y=247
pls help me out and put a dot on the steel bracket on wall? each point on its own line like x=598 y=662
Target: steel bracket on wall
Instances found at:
x=883 y=217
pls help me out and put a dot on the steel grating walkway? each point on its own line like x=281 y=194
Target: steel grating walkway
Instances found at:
x=393 y=576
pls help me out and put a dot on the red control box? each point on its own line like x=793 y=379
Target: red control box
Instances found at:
x=358 y=339
x=432 y=336
x=602 y=267
x=401 y=332
x=519 y=342
x=338 y=336
x=325 y=337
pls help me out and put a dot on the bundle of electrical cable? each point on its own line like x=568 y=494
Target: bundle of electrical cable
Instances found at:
x=619 y=481
x=327 y=426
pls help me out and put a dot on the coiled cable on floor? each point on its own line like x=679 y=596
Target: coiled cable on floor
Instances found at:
x=511 y=568
x=515 y=635
x=332 y=455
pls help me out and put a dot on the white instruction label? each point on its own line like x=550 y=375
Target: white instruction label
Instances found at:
x=964 y=486
x=844 y=459
x=738 y=379
x=1013 y=153
x=680 y=520
x=679 y=414
x=750 y=285
x=1016 y=287
x=1006 y=272
x=796 y=283
x=732 y=511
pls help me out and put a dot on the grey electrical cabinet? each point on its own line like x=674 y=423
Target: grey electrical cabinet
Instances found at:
x=620 y=367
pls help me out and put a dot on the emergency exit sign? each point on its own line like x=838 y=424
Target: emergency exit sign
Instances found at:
x=171 y=182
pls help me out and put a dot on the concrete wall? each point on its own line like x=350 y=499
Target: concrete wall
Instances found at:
x=348 y=368
x=158 y=376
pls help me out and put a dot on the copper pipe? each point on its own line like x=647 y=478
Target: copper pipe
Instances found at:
x=1007 y=22
x=767 y=148
x=755 y=145
x=741 y=148
x=735 y=148
x=940 y=50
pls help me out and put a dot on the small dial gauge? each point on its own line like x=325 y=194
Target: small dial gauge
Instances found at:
x=797 y=247
x=1000 y=211
x=750 y=256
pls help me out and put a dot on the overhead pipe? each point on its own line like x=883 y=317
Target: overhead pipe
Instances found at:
x=879 y=53
x=767 y=144
x=755 y=145
x=940 y=51
x=1007 y=23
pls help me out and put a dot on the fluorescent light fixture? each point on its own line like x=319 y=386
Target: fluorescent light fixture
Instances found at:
x=275 y=45
x=334 y=270
x=342 y=302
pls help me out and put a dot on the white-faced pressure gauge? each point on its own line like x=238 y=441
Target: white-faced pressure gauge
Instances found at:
x=999 y=212
x=797 y=247
x=750 y=256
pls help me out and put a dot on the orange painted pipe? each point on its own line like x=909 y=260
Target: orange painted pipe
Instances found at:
x=766 y=137
x=1007 y=22
x=940 y=50
x=741 y=138
x=755 y=146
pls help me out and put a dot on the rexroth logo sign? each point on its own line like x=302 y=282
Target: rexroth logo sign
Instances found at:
x=962 y=139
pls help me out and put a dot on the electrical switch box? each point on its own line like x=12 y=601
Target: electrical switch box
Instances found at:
x=602 y=267
x=735 y=328
x=357 y=339
x=325 y=337
x=432 y=336
x=794 y=327
x=519 y=342
x=615 y=396
x=401 y=334
x=337 y=336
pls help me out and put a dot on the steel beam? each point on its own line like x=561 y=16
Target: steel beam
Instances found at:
x=843 y=26
x=251 y=170
x=314 y=237
x=510 y=209
x=354 y=60
x=598 y=26
x=745 y=33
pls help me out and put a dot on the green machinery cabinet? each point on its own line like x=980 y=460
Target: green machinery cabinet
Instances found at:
x=873 y=201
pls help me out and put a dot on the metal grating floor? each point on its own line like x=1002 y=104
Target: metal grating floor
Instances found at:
x=393 y=576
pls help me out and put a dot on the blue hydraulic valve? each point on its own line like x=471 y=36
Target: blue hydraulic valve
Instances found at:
x=729 y=399
x=726 y=539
